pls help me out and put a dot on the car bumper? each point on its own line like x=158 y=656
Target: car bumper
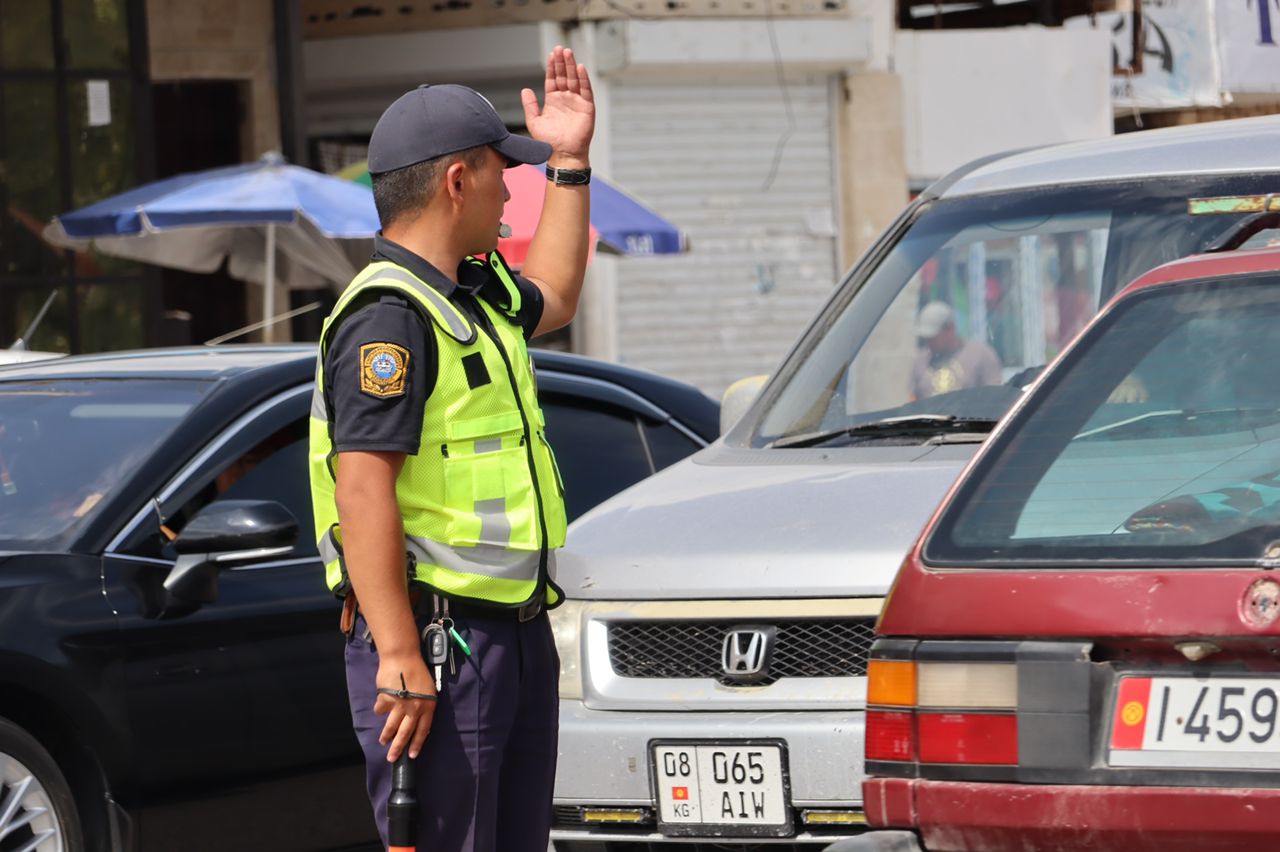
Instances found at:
x=604 y=761
x=954 y=815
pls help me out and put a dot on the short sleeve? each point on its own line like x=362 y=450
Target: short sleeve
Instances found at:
x=380 y=368
x=531 y=305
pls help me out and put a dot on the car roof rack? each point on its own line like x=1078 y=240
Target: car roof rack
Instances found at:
x=1241 y=232
x=1265 y=207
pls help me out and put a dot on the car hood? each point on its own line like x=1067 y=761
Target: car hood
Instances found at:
x=838 y=524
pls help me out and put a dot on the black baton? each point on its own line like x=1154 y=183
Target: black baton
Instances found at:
x=402 y=807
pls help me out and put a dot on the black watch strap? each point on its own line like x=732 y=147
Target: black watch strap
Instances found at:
x=569 y=177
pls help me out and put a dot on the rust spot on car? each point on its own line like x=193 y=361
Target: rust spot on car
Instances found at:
x=1261 y=604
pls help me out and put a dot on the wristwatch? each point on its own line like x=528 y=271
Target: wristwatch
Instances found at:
x=568 y=177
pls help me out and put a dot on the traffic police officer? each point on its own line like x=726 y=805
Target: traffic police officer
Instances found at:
x=437 y=501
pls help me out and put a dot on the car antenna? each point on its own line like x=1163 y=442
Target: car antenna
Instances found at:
x=20 y=345
x=231 y=335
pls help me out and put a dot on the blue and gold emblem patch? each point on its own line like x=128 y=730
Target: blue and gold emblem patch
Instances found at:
x=383 y=369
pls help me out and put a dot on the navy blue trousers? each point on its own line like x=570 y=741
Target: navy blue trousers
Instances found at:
x=485 y=775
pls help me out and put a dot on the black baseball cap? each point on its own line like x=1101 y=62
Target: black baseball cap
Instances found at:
x=432 y=121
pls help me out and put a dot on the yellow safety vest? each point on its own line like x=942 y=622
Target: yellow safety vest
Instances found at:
x=482 y=501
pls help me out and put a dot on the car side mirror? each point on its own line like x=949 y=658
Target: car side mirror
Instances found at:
x=220 y=535
x=737 y=399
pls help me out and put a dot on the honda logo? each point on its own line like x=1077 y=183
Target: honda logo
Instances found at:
x=748 y=649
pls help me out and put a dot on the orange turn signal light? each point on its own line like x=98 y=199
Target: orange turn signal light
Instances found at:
x=891 y=683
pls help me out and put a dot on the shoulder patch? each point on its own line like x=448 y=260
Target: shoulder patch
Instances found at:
x=383 y=369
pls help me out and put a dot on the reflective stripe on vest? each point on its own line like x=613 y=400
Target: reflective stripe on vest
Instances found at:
x=481 y=501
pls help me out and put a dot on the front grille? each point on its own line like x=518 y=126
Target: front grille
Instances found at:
x=694 y=649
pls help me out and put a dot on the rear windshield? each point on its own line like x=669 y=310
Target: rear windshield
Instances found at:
x=66 y=445
x=1157 y=440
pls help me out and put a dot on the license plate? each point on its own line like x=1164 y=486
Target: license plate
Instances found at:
x=734 y=788
x=1211 y=723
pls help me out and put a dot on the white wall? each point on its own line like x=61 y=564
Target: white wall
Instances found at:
x=350 y=81
x=969 y=93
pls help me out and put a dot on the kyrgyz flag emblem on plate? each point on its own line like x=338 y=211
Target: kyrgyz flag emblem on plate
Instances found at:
x=1129 y=725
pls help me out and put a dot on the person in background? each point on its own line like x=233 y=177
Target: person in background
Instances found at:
x=946 y=361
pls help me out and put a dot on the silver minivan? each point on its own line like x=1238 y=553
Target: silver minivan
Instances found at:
x=714 y=645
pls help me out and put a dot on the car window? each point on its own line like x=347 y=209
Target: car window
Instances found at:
x=1158 y=438
x=273 y=469
x=276 y=470
x=67 y=445
x=977 y=296
x=668 y=444
x=600 y=450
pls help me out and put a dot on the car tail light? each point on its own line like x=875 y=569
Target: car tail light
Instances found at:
x=932 y=703
x=978 y=738
x=890 y=735
x=891 y=682
x=991 y=685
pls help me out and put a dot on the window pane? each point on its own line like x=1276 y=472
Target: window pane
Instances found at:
x=668 y=445
x=102 y=144
x=999 y=298
x=275 y=469
x=598 y=450
x=1160 y=439
x=30 y=189
x=26 y=34
x=112 y=316
x=97 y=33
x=103 y=156
x=67 y=445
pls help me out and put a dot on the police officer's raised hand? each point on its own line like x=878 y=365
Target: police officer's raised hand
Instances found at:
x=567 y=119
x=408 y=719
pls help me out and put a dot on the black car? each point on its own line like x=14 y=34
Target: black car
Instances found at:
x=170 y=662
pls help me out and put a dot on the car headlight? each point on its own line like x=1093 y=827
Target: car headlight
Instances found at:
x=566 y=627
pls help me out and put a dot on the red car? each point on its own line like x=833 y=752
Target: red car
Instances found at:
x=1082 y=650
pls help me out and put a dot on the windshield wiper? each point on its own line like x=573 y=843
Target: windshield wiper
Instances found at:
x=892 y=427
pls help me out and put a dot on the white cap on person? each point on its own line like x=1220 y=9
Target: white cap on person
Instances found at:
x=932 y=319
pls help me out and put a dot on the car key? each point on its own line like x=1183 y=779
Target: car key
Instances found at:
x=433 y=636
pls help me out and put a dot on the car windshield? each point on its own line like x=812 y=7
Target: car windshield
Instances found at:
x=973 y=300
x=65 y=445
x=1158 y=439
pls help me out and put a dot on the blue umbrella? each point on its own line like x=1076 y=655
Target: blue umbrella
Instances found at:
x=629 y=226
x=623 y=224
x=240 y=214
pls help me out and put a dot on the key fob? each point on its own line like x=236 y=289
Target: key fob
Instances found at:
x=437 y=650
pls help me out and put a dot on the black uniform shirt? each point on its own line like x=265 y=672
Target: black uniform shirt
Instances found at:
x=381 y=364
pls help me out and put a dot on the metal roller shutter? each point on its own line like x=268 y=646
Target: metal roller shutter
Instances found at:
x=762 y=260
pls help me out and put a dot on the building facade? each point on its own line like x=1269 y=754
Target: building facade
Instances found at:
x=773 y=142
x=97 y=96
x=781 y=135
